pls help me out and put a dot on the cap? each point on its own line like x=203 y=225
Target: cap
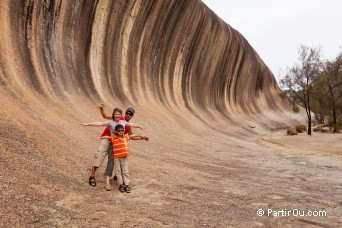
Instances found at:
x=131 y=110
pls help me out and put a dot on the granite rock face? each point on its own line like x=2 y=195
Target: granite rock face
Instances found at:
x=195 y=82
x=177 y=54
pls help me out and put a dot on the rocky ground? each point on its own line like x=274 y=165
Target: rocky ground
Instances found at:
x=179 y=178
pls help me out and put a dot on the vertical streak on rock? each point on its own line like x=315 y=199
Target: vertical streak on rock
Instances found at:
x=97 y=46
x=191 y=54
x=5 y=46
x=126 y=42
x=26 y=23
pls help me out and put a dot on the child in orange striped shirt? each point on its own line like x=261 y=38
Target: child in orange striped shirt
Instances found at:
x=120 y=150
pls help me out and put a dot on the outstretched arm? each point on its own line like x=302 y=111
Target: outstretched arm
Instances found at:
x=105 y=137
x=134 y=126
x=104 y=115
x=139 y=137
x=95 y=124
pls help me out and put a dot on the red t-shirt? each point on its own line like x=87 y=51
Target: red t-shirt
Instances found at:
x=106 y=131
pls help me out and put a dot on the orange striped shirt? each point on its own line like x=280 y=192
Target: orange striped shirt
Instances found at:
x=120 y=146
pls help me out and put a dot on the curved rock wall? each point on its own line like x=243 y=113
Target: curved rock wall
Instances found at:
x=201 y=92
x=177 y=55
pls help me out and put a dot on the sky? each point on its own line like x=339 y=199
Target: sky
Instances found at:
x=275 y=28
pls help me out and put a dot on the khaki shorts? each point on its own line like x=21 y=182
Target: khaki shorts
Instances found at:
x=101 y=152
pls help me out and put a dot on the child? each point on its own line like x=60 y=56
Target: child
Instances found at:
x=120 y=150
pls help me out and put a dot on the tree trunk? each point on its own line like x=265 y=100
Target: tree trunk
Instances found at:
x=334 y=117
x=309 y=109
x=334 y=108
x=309 y=125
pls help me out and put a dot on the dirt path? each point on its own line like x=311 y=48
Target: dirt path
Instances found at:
x=313 y=167
x=317 y=143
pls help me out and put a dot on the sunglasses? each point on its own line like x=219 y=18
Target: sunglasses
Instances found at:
x=129 y=113
x=120 y=130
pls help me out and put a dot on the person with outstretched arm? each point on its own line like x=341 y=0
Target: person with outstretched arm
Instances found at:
x=121 y=153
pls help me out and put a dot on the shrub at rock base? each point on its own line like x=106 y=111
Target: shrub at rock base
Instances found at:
x=301 y=128
x=291 y=131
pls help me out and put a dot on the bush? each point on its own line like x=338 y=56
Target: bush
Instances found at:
x=301 y=128
x=291 y=131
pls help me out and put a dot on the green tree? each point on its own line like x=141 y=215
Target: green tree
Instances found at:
x=299 y=79
x=320 y=105
x=331 y=79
